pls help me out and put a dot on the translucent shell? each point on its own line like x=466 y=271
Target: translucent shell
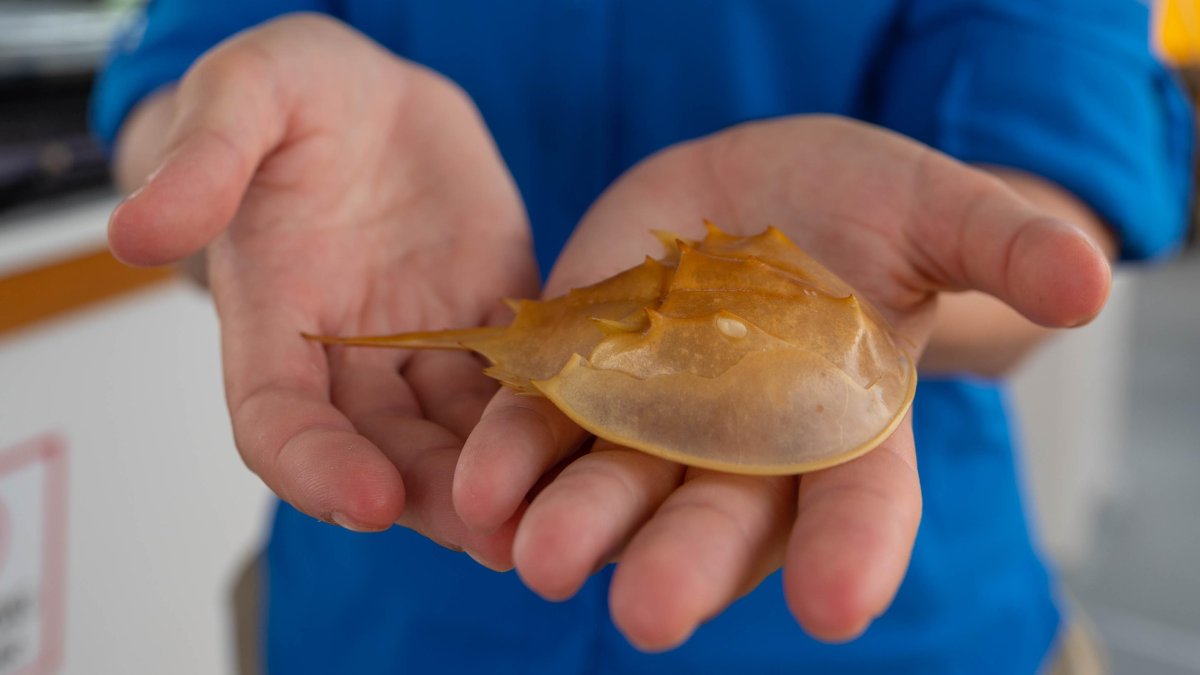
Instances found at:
x=742 y=354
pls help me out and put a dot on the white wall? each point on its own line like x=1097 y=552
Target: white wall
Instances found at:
x=161 y=511
x=1070 y=400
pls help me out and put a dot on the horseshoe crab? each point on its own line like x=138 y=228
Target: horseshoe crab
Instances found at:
x=740 y=354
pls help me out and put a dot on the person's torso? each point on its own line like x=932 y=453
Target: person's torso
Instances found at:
x=575 y=92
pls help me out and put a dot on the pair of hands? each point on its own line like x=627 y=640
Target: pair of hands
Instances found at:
x=340 y=190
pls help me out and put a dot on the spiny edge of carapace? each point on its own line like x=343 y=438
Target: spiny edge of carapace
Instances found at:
x=688 y=255
x=610 y=327
x=713 y=234
x=670 y=243
x=586 y=294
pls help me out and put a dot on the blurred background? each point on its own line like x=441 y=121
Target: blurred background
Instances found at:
x=127 y=519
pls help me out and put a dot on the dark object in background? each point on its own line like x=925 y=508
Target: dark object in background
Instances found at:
x=45 y=147
x=49 y=53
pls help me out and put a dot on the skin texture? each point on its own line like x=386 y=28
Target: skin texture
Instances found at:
x=340 y=190
x=897 y=221
x=336 y=204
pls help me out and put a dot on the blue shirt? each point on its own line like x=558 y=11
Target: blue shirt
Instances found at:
x=576 y=91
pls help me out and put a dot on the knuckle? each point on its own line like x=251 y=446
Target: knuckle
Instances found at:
x=311 y=23
x=234 y=64
x=429 y=86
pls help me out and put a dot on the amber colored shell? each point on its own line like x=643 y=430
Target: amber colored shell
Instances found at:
x=742 y=354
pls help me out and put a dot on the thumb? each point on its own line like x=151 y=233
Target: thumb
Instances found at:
x=971 y=231
x=227 y=119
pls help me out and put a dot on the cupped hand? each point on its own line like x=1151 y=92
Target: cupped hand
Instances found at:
x=339 y=190
x=897 y=220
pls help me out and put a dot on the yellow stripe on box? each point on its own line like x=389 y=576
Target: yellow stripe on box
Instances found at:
x=47 y=291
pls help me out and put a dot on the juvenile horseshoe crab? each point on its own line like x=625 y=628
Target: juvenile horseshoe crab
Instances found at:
x=741 y=354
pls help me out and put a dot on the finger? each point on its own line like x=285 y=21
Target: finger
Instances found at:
x=384 y=408
x=228 y=117
x=852 y=539
x=714 y=539
x=970 y=230
x=586 y=514
x=429 y=473
x=288 y=432
x=450 y=388
x=518 y=439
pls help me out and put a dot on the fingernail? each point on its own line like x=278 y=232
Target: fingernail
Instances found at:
x=485 y=563
x=136 y=192
x=112 y=217
x=139 y=189
x=342 y=520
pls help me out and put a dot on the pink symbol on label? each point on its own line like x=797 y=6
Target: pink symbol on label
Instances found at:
x=5 y=535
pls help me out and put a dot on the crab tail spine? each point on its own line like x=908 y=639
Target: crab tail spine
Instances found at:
x=460 y=339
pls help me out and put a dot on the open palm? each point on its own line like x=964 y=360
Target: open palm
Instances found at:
x=898 y=221
x=344 y=191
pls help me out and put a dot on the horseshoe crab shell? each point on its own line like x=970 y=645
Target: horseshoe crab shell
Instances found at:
x=740 y=354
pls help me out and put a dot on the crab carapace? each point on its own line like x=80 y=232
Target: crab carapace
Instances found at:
x=741 y=354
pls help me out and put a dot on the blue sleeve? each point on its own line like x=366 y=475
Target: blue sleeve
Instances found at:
x=1065 y=89
x=159 y=45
